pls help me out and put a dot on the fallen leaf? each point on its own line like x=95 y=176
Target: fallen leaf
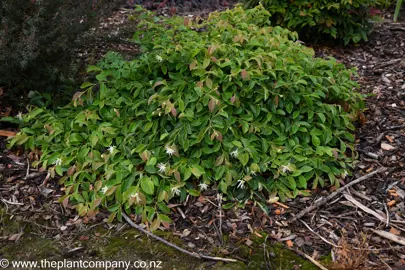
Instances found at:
x=249 y=242
x=84 y=238
x=15 y=237
x=387 y=147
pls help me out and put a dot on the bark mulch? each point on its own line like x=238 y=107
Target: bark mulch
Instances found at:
x=361 y=228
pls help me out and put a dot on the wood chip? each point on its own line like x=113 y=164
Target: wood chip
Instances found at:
x=391 y=203
x=389 y=138
x=395 y=231
x=387 y=147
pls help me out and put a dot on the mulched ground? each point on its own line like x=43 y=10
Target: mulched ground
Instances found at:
x=345 y=228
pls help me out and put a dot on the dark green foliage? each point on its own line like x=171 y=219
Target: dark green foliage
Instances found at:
x=346 y=20
x=232 y=104
x=38 y=38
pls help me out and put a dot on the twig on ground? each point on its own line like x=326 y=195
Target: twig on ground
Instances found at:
x=308 y=257
x=34 y=175
x=334 y=194
x=12 y=203
x=320 y=236
x=363 y=207
x=219 y=198
x=266 y=254
x=389 y=63
x=387 y=224
x=28 y=168
x=193 y=254
x=181 y=212
x=390 y=236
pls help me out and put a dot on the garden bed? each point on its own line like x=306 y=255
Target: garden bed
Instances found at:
x=341 y=230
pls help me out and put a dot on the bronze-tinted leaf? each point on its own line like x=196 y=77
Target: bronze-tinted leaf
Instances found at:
x=244 y=74
x=173 y=111
x=211 y=105
x=193 y=65
x=71 y=170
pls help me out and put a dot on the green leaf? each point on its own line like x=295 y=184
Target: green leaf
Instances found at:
x=197 y=170
x=243 y=158
x=147 y=186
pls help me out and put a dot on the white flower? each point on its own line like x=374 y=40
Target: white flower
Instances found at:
x=234 y=153
x=19 y=116
x=162 y=167
x=170 y=151
x=219 y=197
x=286 y=168
x=111 y=149
x=58 y=162
x=203 y=186
x=344 y=174
x=104 y=189
x=175 y=190
x=159 y=58
x=253 y=173
x=241 y=184
x=136 y=196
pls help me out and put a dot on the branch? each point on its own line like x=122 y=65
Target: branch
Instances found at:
x=193 y=254
x=333 y=195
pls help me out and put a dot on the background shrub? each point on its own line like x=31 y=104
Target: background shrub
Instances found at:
x=231 y=103
x=38 y=39
x=349 y=21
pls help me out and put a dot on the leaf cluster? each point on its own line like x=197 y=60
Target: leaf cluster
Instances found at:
x=345 y=20
x=230 y=103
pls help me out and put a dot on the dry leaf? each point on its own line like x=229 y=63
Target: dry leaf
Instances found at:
x=289 y=243
x=249 y=242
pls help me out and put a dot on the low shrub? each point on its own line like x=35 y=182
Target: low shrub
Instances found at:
x=231 y=103
x=349 y=21
x=38 y=39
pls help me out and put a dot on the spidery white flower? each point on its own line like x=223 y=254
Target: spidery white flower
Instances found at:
x=203 y=186
x=58 y=162
x=170 y=151
x=219 y=197
x=344 y=174
x=104 y=189
x=159 y=58
x=19 y=116
x=175 y=190
x=234 y=153
x=241 y=184
x=111 y=149
x=286 y=168
x=162 y=167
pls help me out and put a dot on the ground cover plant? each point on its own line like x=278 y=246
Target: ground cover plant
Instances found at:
x=349 y=21
x=230 y=103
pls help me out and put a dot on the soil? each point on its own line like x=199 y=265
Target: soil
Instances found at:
x=343 y=234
